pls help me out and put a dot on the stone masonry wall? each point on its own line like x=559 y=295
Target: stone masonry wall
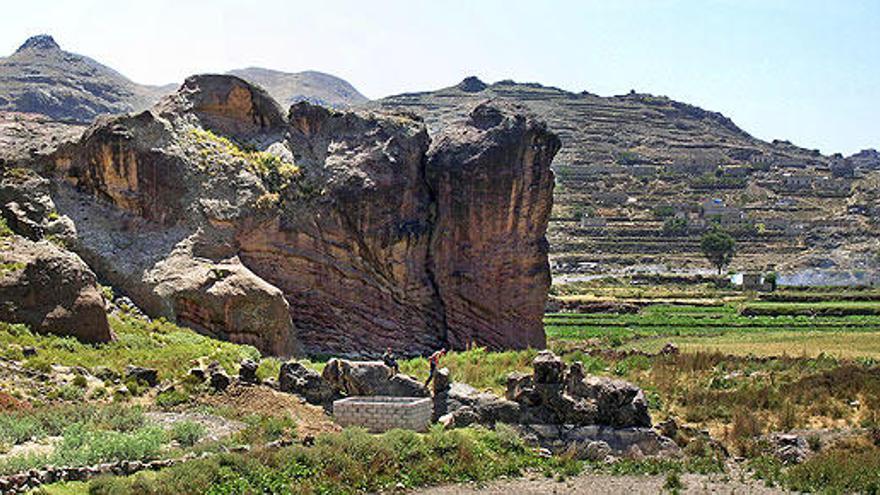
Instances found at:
x=380 y=414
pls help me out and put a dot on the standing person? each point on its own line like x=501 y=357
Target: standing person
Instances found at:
x=390 y=360
x=434 y=361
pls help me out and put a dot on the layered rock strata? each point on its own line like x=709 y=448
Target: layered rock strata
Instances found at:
x=322 y=231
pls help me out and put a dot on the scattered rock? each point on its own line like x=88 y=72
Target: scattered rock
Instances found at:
x=219 y=380
x=197 y=374
x=668 y=428
x=294 y=378
x=594 y=450
x=140 y=374
x=247 y=372
x=790 y=449
x=370 y=378
x=669 y=349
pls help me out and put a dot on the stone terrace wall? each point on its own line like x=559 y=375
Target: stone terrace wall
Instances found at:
x=380 y=414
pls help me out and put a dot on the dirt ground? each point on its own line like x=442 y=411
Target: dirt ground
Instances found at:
x=607 y=484
x=310 y=420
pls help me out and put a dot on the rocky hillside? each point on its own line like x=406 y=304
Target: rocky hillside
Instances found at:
x=314 y=87
x=636 y=172
x=42 y=78
x=316 y=230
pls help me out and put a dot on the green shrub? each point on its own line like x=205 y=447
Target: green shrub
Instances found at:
x=172 y=398
x=188 y=433
x=847 y=470
x=5 y=231
x=351 y=461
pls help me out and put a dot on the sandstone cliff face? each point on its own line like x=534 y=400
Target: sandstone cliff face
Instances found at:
x=352 y=257
x=494 y=191
x=337 y=232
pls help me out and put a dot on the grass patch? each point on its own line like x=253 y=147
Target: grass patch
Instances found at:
x=813 y=308
x=187 y=433
x=349 y=462
x=81 y=445
x=276 y=173
x=158 y=344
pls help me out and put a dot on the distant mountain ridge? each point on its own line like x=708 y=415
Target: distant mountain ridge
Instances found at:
x=42 y=78
x=315 y=87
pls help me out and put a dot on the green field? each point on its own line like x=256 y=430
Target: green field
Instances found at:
x=723 y=328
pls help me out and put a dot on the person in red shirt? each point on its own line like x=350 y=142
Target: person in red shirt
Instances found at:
x=434 y=361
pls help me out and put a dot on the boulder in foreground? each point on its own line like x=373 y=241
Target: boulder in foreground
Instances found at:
x=51 y=291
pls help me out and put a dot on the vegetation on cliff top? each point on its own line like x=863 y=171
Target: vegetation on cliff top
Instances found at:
x=276 y=173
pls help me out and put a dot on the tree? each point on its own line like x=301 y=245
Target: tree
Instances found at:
x=719 y=248
x=675 y=226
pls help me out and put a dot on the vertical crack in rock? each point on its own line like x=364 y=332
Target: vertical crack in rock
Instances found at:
x=350 y=231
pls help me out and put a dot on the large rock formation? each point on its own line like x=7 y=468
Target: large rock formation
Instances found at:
x=333 y=232
x=493 y=191
x=50 y=290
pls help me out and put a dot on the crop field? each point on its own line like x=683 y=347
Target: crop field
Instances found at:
x=725 y=329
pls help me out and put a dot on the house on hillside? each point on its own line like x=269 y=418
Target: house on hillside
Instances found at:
x=797 y=182
x=752 y=281
x=592 y=221
x=610 y=198
x=715 y=209
x=835 y=187
x=843 y=169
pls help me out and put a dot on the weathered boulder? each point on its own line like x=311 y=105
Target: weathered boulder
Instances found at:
x=247 y=372
x=226 y=103
x=27 y=206
x=294 y=378
x=370 y=378
x=548 y=368
x=219 y=380
x=51 y=291
x=558 y=396
x=323 y=231
x=140 y=374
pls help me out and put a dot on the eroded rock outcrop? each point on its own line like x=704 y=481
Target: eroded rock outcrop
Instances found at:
x=560 y=408
x=369 y=378
x=50 y=290
x=332 y=232
x=494 y=191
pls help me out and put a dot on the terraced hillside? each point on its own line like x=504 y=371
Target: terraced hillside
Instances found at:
x=641 y=177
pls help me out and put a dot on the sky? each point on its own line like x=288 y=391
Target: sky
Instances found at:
x=803 y=70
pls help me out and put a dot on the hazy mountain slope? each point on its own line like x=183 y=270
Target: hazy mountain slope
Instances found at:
x=314 y=87
x=596 y=129
x=629 y=163
x=42 y=78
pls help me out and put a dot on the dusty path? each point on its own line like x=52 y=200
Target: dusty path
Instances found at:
x=607 y=484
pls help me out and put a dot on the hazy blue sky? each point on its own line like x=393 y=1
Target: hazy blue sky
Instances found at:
x=801 y=70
